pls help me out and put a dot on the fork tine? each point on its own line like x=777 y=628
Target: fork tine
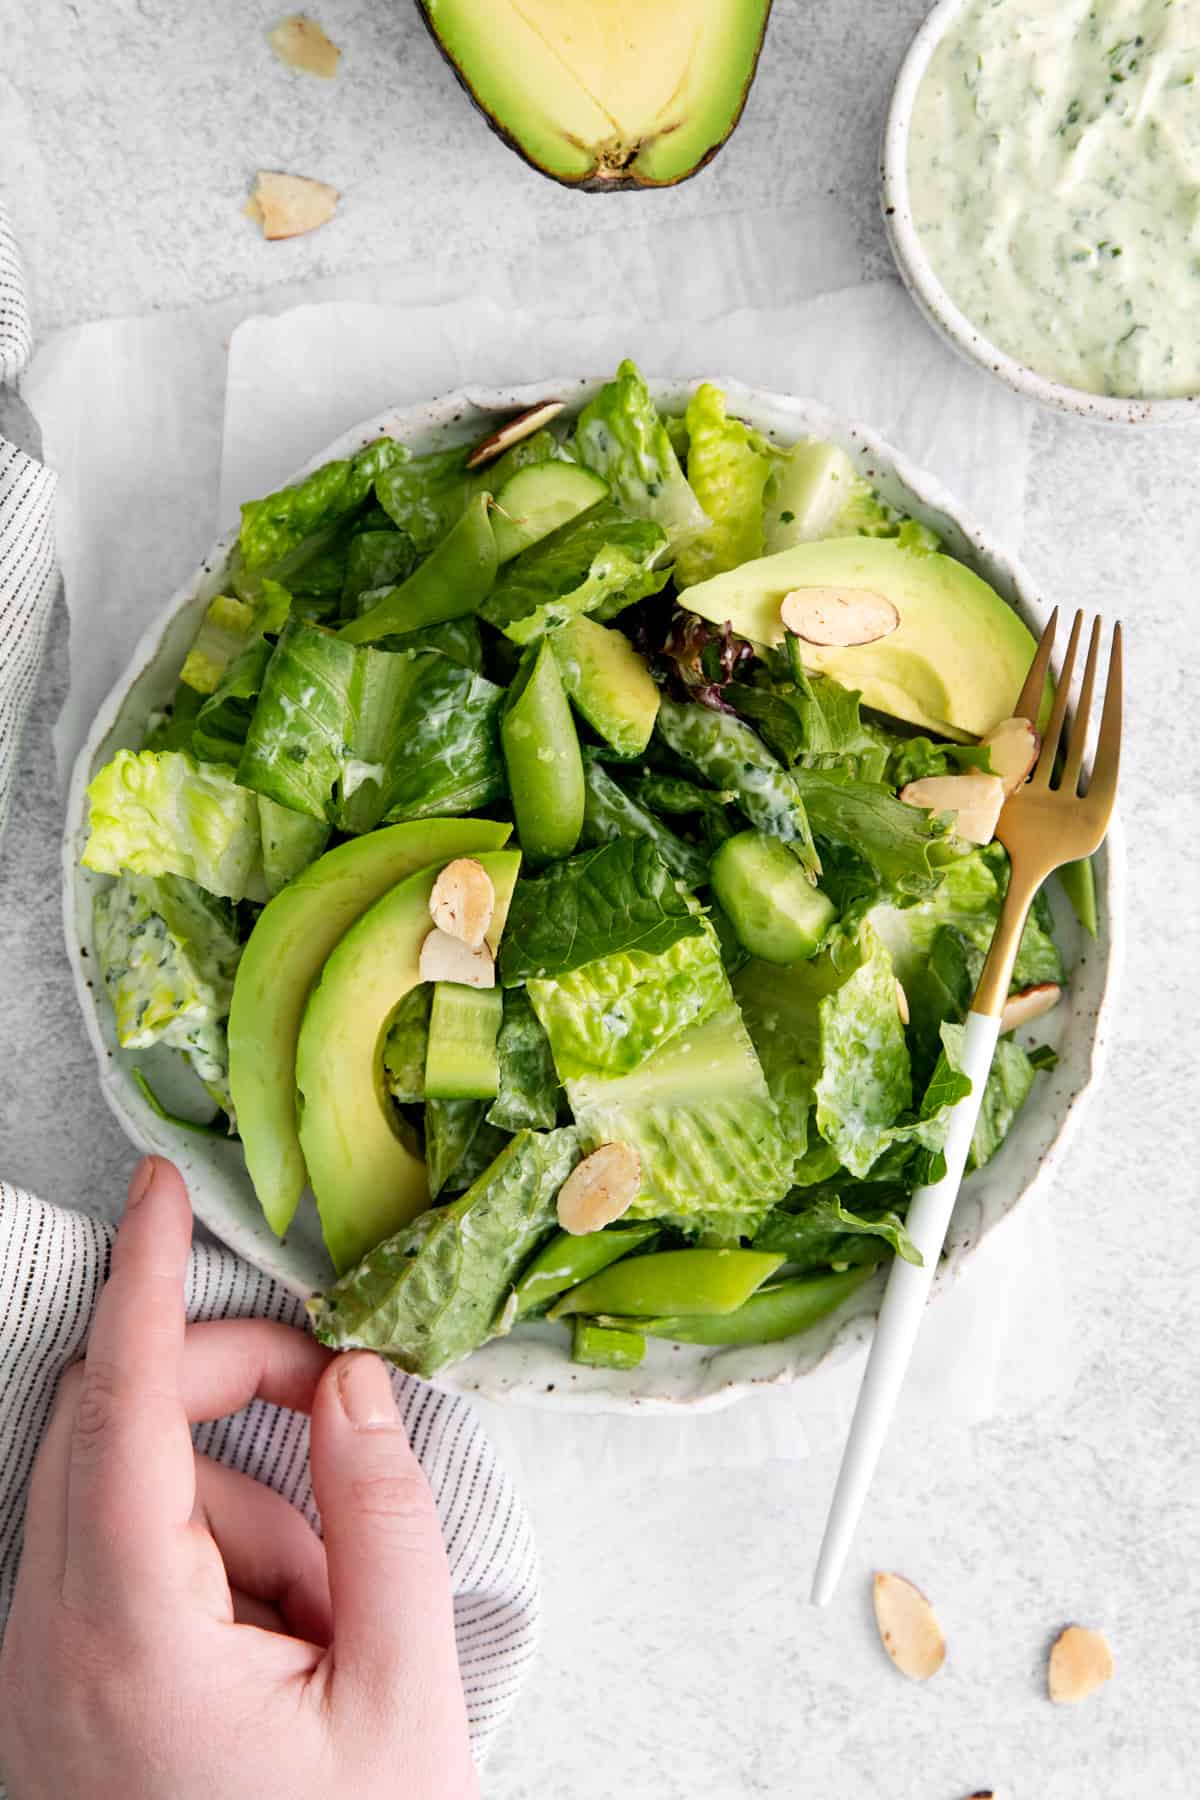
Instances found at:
x=1045 y=762
x=1077 y=742
x=1029 y=706
x=1103 y=786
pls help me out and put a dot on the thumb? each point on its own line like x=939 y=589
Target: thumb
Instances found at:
x=393 y=1617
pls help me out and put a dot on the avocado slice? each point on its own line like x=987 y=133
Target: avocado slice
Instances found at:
x=608 y=681
x=605 y=97
x=956 y=663
x=538 y=499
x=294 y=934
x=367 y=1182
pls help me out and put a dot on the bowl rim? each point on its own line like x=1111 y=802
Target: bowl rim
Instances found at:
x=457 y=414
x=932 y=298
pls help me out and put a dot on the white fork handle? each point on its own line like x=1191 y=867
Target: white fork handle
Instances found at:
x=900 y=1315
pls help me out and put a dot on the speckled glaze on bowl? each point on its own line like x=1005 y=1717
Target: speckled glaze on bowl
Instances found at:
x=531 y=1366
x=931 y=297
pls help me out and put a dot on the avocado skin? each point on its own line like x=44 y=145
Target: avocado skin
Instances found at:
x=628 y=181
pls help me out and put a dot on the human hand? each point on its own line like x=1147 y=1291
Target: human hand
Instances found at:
x=177 y=1631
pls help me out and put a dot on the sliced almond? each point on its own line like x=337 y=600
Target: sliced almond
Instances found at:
x=975 y=800
x=908 y=1627
x=300 y=42
x=1013 y=747
x=1030 y=1004
x=289 y=205
x=599 y=1189
x=902 y=1004
x=839 y=618
x=1080 y=1662
x=463 y=901
x=513 y=430
x=446 y=958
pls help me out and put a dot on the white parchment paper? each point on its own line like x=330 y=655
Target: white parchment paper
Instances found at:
x=160 y=427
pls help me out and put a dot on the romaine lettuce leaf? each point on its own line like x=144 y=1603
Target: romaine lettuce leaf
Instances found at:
x=812 y=720
x=610 y=1015
x=162 y=813
x=728 y=468
x=280 y=527
x=405 y=1045
x=598 y=563
x=1008 y=1084
x=445 y=755
x=450 y=1125
x=168 y=952
x=620 y=896
x=824 y=1231
x=375 y=559
x=485 y=1144
x=609 y=812
x=918 y=758
x=226 y=625
x=779 y=1006
x=730 y=756
x=458 y=639
x=700 y=1117
x=432 y=1293
x=907 y=847
x=427 y=496
x=297 y=743
x=621 y=436
x=968 y=897
x=529 y=1087
x=223 y=720
x=290 y=842
x=865 y=1081
x=712 y=810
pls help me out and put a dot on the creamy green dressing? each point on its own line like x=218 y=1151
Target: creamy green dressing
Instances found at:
x=1054 y=175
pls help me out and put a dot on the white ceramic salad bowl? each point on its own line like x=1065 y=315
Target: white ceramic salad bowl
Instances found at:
x=531 y=1366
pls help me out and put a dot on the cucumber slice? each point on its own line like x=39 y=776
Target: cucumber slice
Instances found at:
x=776 y=912
x=538 y=499
x=460 y=1057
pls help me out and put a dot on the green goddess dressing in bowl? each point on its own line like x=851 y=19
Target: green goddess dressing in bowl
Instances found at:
x=1054 y=185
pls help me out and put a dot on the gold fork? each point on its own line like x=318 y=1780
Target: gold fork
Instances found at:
x=1047 y=822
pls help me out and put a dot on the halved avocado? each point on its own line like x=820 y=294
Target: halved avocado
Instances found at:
x=605 y=94
x=294 y=934
x=955 y=664
x=367 y=1182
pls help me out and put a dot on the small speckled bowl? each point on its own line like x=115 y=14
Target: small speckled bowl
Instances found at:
x=531 y=1366
x=931 y=297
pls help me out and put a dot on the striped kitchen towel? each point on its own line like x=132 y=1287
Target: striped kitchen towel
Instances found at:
x=53 y=1260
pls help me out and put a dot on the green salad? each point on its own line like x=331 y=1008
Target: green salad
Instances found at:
x=573 y=860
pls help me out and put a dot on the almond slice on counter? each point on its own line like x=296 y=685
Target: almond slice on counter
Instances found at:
x=1080 y=1662
x=975 y=800
x=1013 y=746
x=300 y=42
x=902 y=1004
x=599 y=1189
x=1030 y=1004
x=446 y=958
x=838 y=618
x=463 y=901
x=289 y=205
x=908 y=1627
x=512 y=431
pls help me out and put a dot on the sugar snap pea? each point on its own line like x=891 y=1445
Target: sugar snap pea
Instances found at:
x=542 y=757
x=672 y=1281
x=604 y=1348
x=780 y=1311
x=567 y=1260
x=453 y=581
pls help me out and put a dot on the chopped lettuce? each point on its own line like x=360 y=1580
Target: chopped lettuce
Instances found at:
x=729 y=755
x=1009 y=1080
x=918 y=758
x=620 y=896
x=226 y=625
x=162 y=813
x=298 y=738
x=445 y=754
x=426 y=497
x=281 y=530
x=611 y=1014
x=290 y=842
x=223 y=721
x=432 y=1293
x=968 y=897
x=621 y=436
x=824 y=1231
x=609 y=812
x=698 y=1113
x=375 y=559
x=907 y=847
x=598 y=564
x=529 y=1087
x=450 y=1127
x=728 y=468
x=812 y=720
x=779 y=1006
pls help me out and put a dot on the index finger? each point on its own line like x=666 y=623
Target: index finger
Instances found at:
x=131 y=1480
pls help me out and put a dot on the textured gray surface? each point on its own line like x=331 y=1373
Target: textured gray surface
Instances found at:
x=680 y=1658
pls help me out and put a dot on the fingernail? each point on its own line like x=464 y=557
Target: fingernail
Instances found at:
x=139 y=1182
x=365 y=1391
